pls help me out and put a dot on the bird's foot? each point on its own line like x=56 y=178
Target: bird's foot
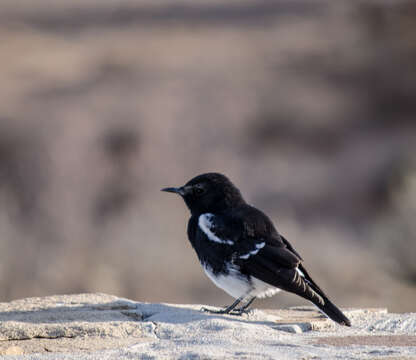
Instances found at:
x=210 y=311
x=235 y=312
x=240 y=311
x=226 y=310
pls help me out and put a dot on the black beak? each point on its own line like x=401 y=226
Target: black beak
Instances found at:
x=178 y=190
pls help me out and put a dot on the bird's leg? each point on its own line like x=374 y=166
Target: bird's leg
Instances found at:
x=243 y=309
x=227 y=310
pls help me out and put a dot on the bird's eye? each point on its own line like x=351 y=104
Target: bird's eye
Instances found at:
x=199 y=190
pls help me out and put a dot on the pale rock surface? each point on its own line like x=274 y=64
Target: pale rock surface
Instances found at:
x=99 y=326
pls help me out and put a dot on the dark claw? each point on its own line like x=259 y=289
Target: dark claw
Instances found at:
x=239 y=312
x=235 y=312
x=213 y=311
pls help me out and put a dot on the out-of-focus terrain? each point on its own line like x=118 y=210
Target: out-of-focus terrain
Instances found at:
x=309 y=107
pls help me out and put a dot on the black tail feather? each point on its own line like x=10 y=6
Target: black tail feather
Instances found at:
x=330 y=310
x=326 y=306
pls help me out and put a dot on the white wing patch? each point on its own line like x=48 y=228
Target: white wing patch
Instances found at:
x=300 y=272
x=205 y=224
x=302 y=275
x=253 y=252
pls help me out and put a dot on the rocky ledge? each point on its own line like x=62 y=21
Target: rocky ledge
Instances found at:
x=99 y=326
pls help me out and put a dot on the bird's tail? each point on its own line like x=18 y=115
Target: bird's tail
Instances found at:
x=320 y=300
x=330 y=310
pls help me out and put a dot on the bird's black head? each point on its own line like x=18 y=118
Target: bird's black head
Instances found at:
x=211 y=192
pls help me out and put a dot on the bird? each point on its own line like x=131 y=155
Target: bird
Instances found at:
x=240 y=249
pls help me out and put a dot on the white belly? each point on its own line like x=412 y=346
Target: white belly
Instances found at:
x=262 y=289
x=232 y=283
x=238 y=286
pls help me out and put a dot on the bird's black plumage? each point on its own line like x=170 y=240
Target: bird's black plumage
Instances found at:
x=241 y=250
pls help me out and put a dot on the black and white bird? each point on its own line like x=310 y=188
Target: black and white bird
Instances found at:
x=241 y=250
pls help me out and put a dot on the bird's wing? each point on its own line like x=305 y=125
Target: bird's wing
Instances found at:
x=259 y=250
x=260 y=236
x=290 y=247
x=247 y=233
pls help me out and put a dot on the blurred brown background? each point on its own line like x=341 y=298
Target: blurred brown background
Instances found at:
x=308 y=106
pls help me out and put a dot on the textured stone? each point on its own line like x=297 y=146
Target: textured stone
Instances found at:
x=99 y=326
x=381 y=340
x=300 y=319
x=12 y=350
x=69 y=322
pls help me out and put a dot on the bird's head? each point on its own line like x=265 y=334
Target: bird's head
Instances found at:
x=211 y=192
